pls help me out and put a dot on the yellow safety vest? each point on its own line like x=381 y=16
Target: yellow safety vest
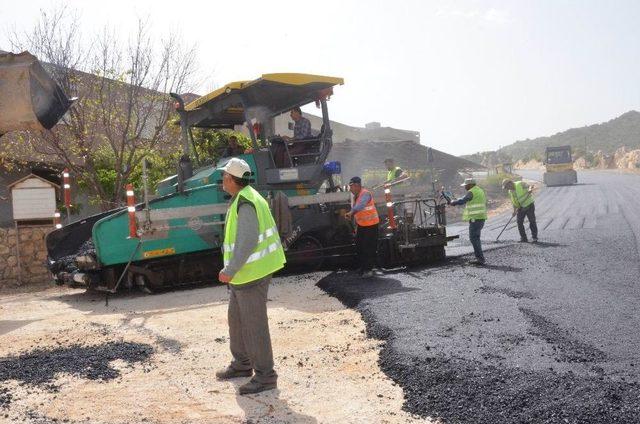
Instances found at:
x=391 y=175
x=520 y=197
x=476 y=208
x=268 y=255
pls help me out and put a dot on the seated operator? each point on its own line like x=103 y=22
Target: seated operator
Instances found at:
x=301 y=131
x=233 y=149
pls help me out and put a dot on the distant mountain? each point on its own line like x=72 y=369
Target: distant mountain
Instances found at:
x=606 y=137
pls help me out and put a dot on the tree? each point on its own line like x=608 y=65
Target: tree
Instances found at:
x=123 y=112
x=210 y=144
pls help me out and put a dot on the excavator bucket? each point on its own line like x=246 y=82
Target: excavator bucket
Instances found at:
x=29 y=98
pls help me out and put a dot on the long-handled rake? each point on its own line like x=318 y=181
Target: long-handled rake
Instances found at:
x=505 y=227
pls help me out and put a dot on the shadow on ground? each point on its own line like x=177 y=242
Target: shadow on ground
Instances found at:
x=269 y=407
x=7 y=326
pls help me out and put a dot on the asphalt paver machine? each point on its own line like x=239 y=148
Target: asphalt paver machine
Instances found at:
x=177 y=235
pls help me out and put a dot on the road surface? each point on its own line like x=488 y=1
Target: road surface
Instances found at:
x=545 y=333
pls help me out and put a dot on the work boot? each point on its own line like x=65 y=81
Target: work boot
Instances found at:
x=256 y=387
x=535 y=239
x=524 y=240
x=479 y=262
x=229 y=373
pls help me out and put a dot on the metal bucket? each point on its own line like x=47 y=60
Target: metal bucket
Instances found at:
x=29 y=98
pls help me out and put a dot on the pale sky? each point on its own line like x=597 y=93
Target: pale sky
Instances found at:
x=469 y=75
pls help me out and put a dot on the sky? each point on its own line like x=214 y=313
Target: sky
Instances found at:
x=469 y=75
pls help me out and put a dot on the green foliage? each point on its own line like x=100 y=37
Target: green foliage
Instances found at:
x=533 y=155
x=160 y=166
x=210 y=144
x=493 y=183
x=74 y=209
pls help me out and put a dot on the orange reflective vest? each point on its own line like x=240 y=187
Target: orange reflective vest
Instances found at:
x=369 y=215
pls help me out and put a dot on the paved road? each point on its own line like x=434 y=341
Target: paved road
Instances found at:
x=544 y=333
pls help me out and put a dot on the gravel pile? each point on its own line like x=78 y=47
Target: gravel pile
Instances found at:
x=38 y=368
x=67 y=263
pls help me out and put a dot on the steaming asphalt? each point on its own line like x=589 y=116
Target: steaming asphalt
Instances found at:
x=546 y=333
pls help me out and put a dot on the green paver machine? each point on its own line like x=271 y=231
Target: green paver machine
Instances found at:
x=178 y=235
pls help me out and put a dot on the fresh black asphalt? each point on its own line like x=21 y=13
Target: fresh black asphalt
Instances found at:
x=39 y=367
x=546 y=333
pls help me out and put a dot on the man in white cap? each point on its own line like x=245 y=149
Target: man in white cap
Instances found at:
x=252 y=253
x=475 y=212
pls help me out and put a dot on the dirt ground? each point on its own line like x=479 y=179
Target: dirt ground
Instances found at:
x=151 y=358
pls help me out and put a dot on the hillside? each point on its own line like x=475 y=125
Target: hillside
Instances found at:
x=606 y=137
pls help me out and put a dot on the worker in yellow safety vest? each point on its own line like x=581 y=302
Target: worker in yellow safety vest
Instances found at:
x=394 y=173
x=252 y=253
x=475 y=212
x=523 y=206
x=363 y=210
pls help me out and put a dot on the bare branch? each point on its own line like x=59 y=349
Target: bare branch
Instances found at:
x=122 y=88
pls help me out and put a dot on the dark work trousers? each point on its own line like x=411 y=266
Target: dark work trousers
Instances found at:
x=475 y=228
x=530 y=213
x=249 y=337
x=367 y=246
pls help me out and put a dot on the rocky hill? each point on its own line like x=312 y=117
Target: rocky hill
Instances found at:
x=597 y=144
x=606 y=137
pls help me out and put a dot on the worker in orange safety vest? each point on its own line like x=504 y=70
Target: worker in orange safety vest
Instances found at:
x=365 y=214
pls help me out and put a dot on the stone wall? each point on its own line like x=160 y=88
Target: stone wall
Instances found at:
x=33 y=255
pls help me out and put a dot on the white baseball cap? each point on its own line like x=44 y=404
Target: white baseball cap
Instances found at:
x=237 y=167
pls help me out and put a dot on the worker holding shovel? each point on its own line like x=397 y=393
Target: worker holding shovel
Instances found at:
x=523 y=206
